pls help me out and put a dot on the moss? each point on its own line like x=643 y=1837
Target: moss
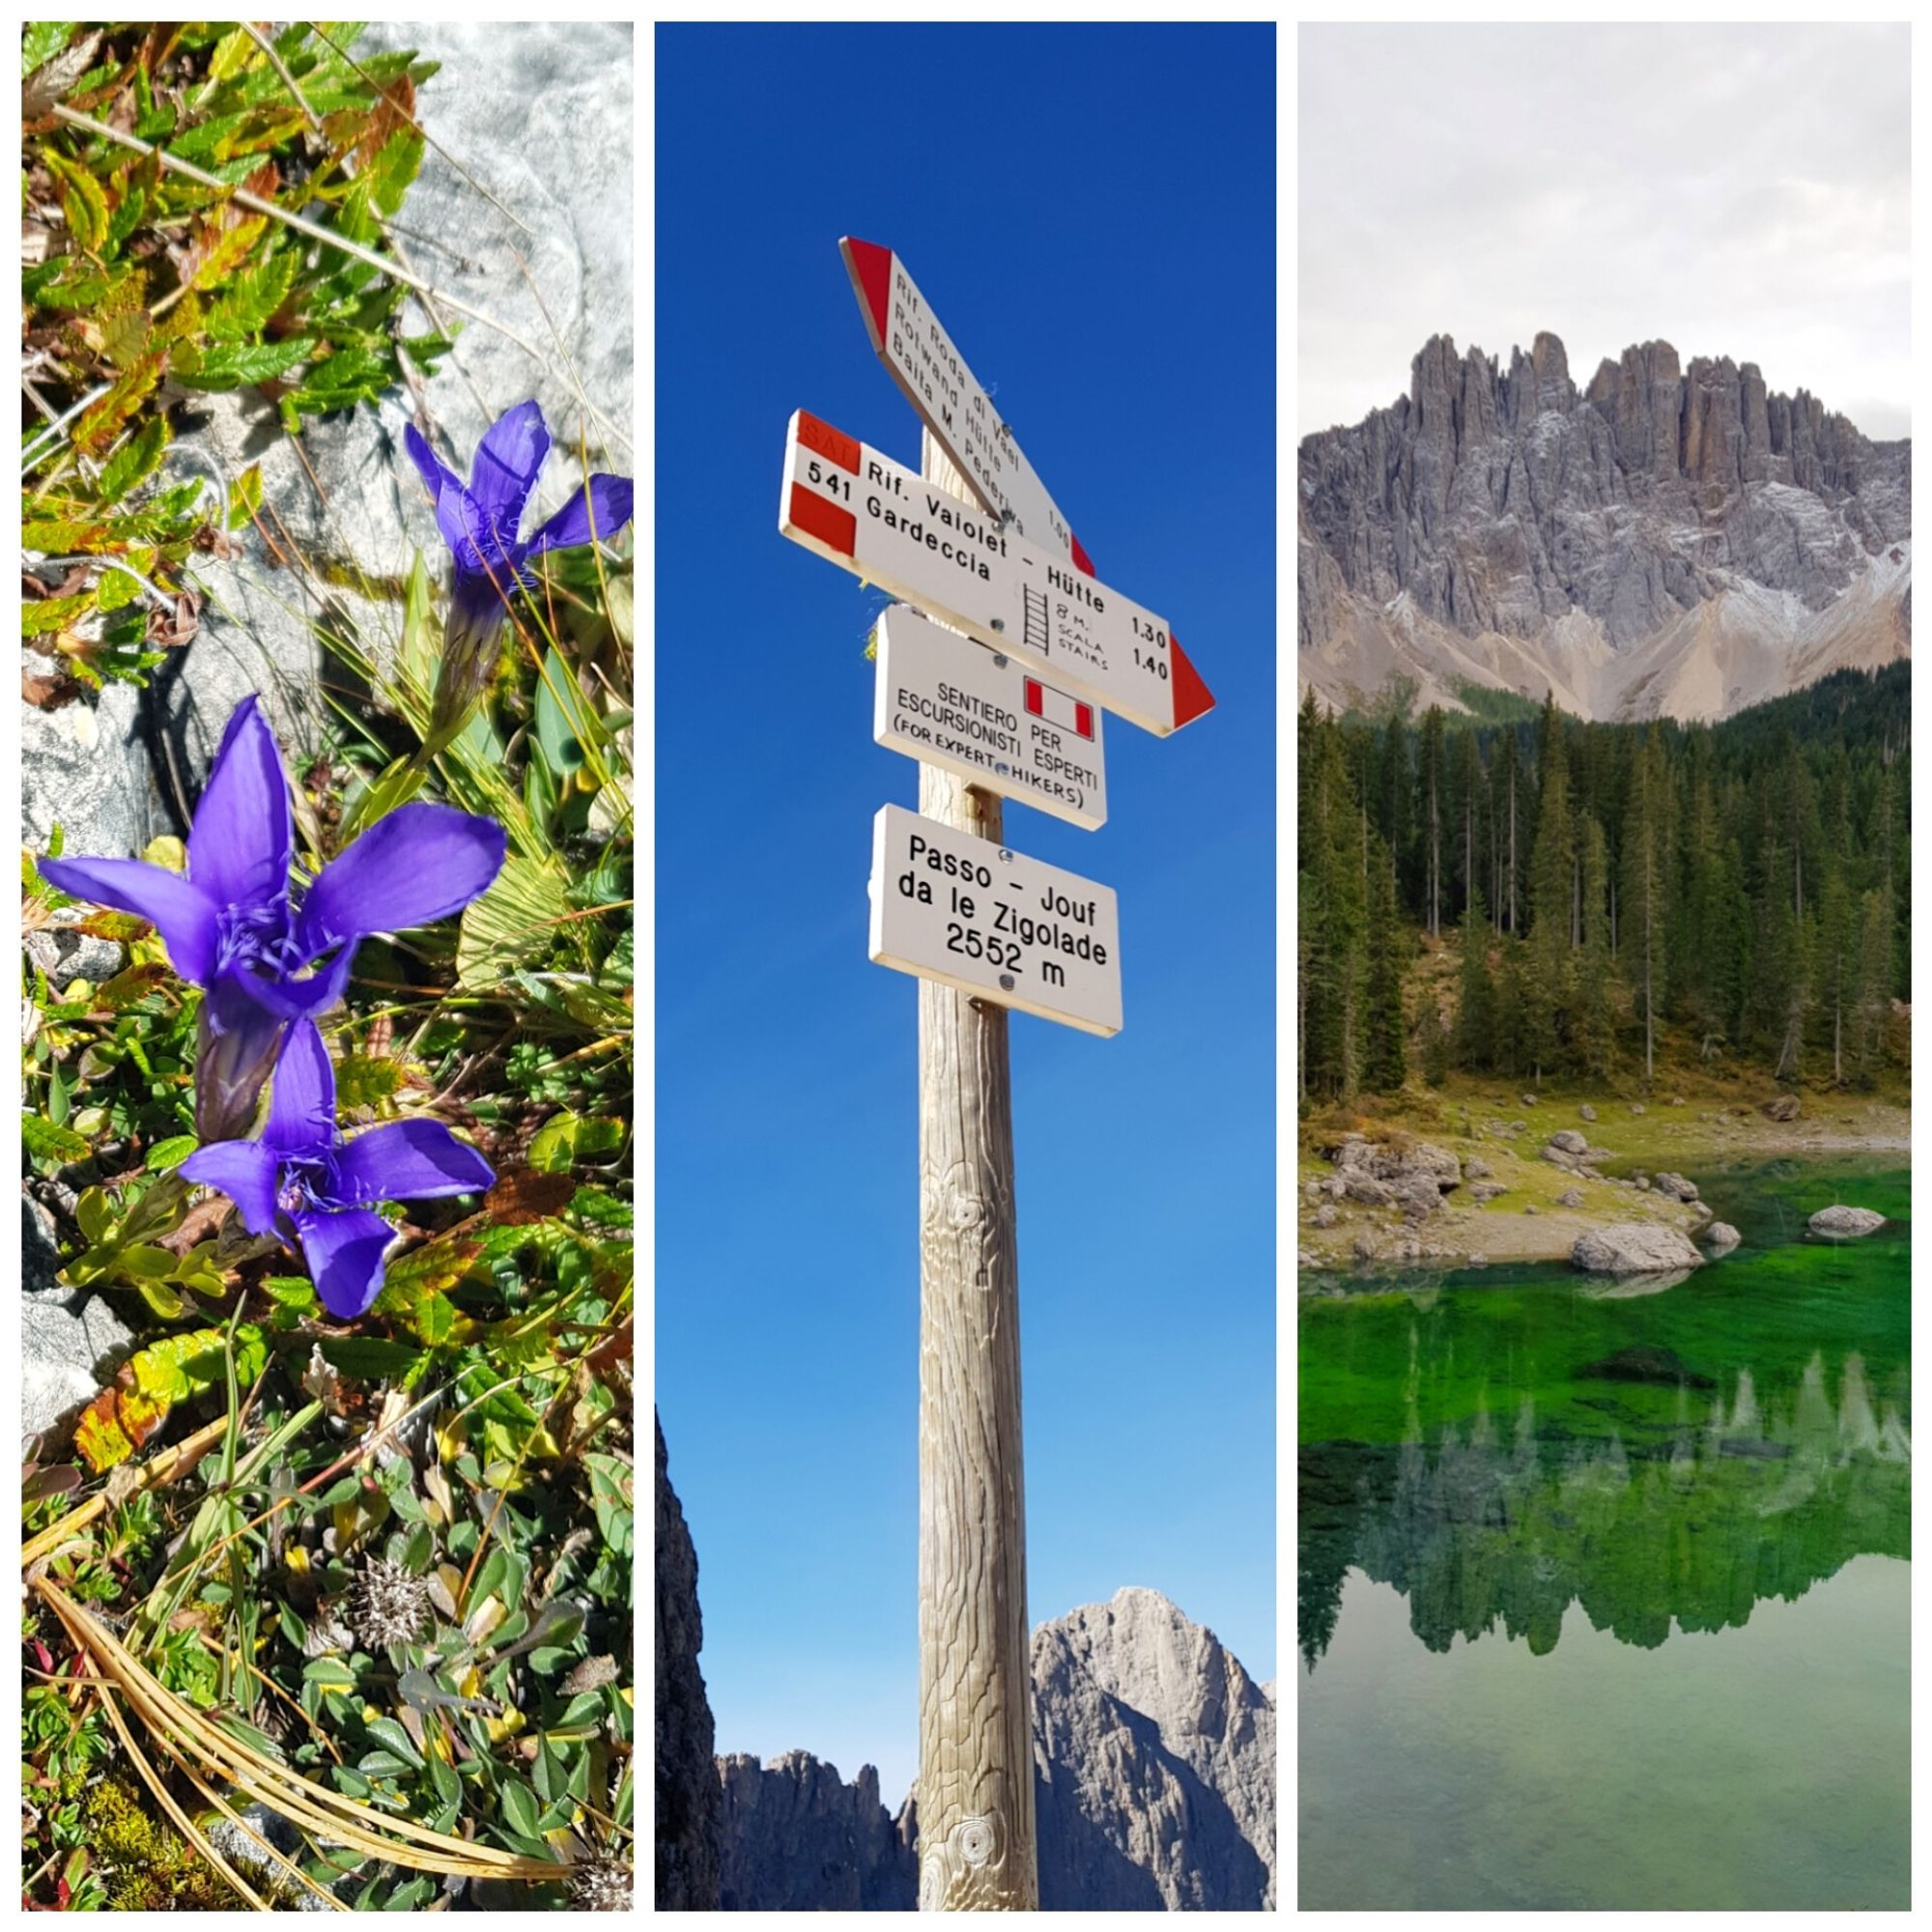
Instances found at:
x=151 y=1867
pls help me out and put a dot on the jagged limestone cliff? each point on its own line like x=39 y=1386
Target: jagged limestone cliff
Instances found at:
x=1667 y=540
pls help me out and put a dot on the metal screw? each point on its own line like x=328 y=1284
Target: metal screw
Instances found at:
x=999 y=660
x=1001 y=771
x=1006 y=857
x=1006 y=982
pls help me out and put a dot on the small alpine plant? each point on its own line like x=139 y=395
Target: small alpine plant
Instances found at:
x=302 y=1181
x=479 y=524
x=231 y=925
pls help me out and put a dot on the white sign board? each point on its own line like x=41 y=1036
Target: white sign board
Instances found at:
x=859 y=509
x=945 y=700
x=953 y=907
x=921 y=356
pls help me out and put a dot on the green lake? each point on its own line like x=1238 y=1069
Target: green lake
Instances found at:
x=1604 y=1596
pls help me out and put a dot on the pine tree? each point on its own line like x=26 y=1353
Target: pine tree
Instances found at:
x=1596 y=1024
x=1645 y=886
x=1475 y=1044
x=1552 y=893
x=1431 y=773
x=1384 y=1062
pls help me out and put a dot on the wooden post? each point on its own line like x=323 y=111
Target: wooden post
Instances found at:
x=976 y=1815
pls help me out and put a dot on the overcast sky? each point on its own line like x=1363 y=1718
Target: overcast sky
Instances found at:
x=1739 y=192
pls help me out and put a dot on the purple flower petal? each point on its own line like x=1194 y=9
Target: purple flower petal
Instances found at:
x=246 y=1171
x=405 y=1160
x=457 y=515
x=243 y=834
x=181 y=913
x=301 y=1103
x=305 y=999
x=606 y=499
x=507 y=463
x=421 y=863
x=345 y=1251
x=236 y=1037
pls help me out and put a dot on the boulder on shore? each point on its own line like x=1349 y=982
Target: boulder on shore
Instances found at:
x=1846 y=1221
x=1719 y=1237
x=1675 y=1185
x=1635 y=1249
x=1781 y=1107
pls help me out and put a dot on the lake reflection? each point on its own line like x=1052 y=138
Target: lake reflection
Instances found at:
x=1603 y=1602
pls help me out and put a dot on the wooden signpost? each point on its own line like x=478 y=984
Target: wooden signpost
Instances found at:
x=993 y=681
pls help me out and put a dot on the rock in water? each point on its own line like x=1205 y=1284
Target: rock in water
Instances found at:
x=688 y=1808
x=797 y=1839
x=1846 y=1221
x=1154 y=1758
x=1719 y=1237
x=1647 y=1363
x=1634 y=1249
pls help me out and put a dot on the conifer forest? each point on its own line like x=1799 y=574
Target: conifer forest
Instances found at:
x=1736 y=896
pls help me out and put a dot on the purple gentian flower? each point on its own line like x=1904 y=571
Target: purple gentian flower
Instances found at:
x=479 y=524
x=303 y=1182
x=231 y=926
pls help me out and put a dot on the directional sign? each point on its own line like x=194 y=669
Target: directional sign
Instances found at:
x=859 y=509
x=958 y=412
x=953 y=907
x=945 y=700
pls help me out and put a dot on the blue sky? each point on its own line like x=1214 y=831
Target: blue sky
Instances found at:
x=1091 y=214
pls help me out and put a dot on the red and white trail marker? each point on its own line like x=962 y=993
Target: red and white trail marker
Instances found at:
x=922 y=362
x=947 y=702
x=880 y=520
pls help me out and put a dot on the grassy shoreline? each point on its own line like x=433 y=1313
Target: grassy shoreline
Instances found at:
x=1695 y=1125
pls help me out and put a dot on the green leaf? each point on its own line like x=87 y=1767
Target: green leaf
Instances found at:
x=513 y=922
x=565 y=723
x=83 y=203
x=232 y=367
x=53 y=614
x=44 y=1141
x=253 y=299
x=395 y=168
x=369 y=1359
x=331 y=1673
x=520 y=1809
x=42 y=40
x=135 y=460
x=569 y=1138
x=171 y=1153
x=392 y=1737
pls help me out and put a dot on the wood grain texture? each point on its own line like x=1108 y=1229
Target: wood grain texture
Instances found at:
x=977 y=1847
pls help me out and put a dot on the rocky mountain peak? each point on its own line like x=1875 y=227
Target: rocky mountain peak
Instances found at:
x=1673 y=538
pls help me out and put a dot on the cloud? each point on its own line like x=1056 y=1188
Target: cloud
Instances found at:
x=1739 y=192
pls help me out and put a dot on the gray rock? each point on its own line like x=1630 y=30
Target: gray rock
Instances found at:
x=1781 y=1107
x=72 y=1341
x=1677 y=1100
x=1475 y=1168
x=1675 y=1185
x=1586 y=1112
x=1569 y=1141
x=1529 y=1207
x=1719 y=1237
x=85 y=768
x=798 y=1838
x=1633 y=1248
x=1485 y=1190
x=1398 y=1162
x=689 y=1811
x=1845 y=1221
x=1529 y=1100
x=1326 y=1215
x=1554 y=536
x=1571 y=1197
x=1636 y=1106
x=1154 y=1757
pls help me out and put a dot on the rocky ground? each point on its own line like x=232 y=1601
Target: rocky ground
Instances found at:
x=1496 y=1176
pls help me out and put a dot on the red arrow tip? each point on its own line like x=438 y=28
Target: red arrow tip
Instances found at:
x=1192 y=698
x=1081 y=560
x=871 y=268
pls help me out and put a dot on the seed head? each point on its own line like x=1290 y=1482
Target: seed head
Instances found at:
x=601 y=1883
x=388 y=1604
